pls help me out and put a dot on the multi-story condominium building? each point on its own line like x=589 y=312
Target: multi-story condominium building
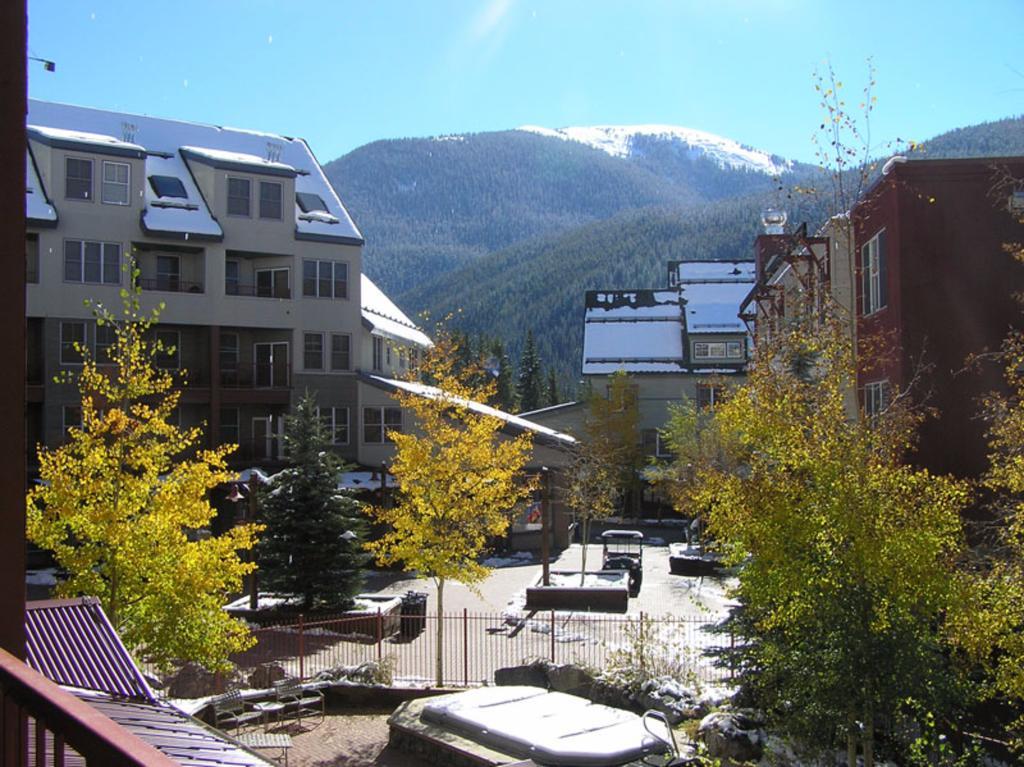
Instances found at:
x=919 y=271
x=255 y=259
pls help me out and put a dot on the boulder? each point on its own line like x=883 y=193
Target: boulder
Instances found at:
x=733 y=736
x=534 y=675
x=264 y=676
x=669 y=697
x=194 y=681
x=571 y=679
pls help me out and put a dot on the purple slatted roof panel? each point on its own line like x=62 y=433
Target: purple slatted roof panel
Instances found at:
x=71 y=642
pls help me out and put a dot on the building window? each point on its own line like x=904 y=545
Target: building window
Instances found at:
x=378 y=353
x=98 y=262
x=168 y=186
x=77 y=179
x=708 y=396
x=168 y=273
x=378 y=422
x=309 y=202
x=232 y=280
x=168 y=356
x=229 y=358
x=335 y=420
x=874 y=275
x=239 y=194
x=270 y=199
x=703 y=350
x=31 y=258
x=72 y=343
x=653 y=444
x=876 y=398
x=313 y=351
x=272 y=283
x=325 y=279
x=116 y=183
x=229 y=429
x=71 y=417
x=341 y=348
x=106 y=340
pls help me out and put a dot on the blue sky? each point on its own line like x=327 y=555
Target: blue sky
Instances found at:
x=342 y=74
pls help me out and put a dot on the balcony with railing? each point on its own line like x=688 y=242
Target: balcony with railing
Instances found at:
x=170 y=269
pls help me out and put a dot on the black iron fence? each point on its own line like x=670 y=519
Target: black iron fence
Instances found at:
x=474 y=645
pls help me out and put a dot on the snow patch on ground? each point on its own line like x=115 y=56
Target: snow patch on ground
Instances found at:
x=512 y=560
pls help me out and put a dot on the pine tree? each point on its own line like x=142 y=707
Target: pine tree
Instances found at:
x=529 y=375
x=307 y=549
x=551 y=390
x=505 y=393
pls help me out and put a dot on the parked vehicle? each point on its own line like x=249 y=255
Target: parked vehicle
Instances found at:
x=623 y=550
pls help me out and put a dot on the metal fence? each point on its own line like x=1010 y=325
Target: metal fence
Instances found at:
x=475 y=645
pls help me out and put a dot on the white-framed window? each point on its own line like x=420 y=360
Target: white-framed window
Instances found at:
x=378 y=353
x=273 y=283
x=106 y=340
x=116 y=186
x=874 y=275
x=88 y=261
x=403 y=359
x=71 y=418
x=313 y=351
x=378 y=422
x=704 y=350
x=73 y=342
x=877 y=396
x=78 y=179
x=653 y=444
x=169 y=356
x=270 y=199
x=239 y=196
x=335 y=420
x=324 y=279
x=708 y=396
x=341 y=351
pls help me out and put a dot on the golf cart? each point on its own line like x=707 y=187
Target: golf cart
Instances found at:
x=623 y=550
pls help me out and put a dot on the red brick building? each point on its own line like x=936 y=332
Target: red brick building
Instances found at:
x=934 y=285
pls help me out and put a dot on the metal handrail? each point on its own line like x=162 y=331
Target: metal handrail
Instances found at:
x=96 y=737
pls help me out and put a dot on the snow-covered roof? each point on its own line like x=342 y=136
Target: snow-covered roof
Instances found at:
x=637 y=331
x=176 y=215
x=619 y=141
x=37 y=204
x=386 y=319
x=516 y=423
x=712 y=292
x=148 y=136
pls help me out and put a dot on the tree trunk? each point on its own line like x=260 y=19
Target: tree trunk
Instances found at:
x=439 y=657
x=851 y=740
x=869 y=734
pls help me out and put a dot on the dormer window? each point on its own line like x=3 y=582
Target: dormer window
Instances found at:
x=168 y=186
x=78 y=179
x=309 y=202
x=239 y=196
x=270 y=199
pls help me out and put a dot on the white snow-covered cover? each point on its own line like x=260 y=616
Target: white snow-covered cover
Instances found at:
x=636 y=331
x=718 y=271
x=549 y=727
x=37 y=205
x=477 y=407
x=619 y=141
x=83 y=137
x=154 y=134
x=173 y=214
x=657 y=341
x=387 y=319
x=242 y=158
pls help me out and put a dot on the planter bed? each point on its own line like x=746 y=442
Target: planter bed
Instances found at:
x=605 y=591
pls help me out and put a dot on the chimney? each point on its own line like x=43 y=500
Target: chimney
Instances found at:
x=773 y=242
x=774 y=221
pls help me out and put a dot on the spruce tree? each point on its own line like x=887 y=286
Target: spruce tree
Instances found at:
x=529 y=375
x=551 y=390
x=306 y=549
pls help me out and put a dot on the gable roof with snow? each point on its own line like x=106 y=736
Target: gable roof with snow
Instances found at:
x=384 y=318
x=638 y=331
x=169 y=145
x=513 y=423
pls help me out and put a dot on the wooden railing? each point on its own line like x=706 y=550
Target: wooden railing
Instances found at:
x=39 y=720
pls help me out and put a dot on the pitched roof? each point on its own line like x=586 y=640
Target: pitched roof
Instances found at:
x=386 y=319
x=638 y=331
x=72 y=643
x=165 y=144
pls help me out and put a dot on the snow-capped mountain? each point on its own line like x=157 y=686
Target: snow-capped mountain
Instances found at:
x=627 y=141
